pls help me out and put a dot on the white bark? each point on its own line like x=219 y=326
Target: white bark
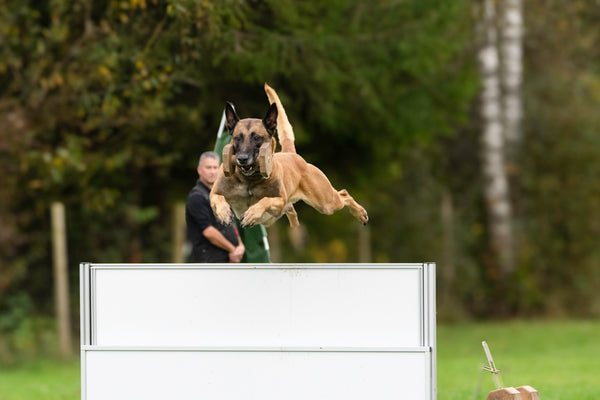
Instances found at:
x=493 y=145
x=512 y=69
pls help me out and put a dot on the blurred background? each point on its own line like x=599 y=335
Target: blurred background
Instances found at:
x=468 y=129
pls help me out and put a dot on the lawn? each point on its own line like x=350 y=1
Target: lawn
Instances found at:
x=560 y=359
x=41 y=379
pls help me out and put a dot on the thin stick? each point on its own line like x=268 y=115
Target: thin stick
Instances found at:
x=492 y=367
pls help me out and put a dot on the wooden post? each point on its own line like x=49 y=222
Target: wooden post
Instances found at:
x=61 y=279
x=509 y=393
x=364 y=244
x=275 y=243
x=447 y=254
x=528 y=393
x=492 y=366
x=178 y=232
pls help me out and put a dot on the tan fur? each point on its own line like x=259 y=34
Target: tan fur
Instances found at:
x=264 y=201
x=284 y=128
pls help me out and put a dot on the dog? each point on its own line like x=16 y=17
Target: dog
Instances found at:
x=262 y=197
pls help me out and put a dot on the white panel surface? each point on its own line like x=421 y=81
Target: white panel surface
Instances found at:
x=154 y=375
x=335 y=307
x=268 y=332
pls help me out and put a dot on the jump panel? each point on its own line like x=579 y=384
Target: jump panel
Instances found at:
x=159 y=375
x=305 y=331
x=258 y=307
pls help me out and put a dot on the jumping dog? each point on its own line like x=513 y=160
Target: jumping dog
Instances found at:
x=261 y=185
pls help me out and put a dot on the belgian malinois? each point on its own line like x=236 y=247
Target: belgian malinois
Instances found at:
x=261 y=193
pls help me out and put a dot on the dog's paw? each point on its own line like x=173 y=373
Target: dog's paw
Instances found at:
x=365 y=218
x=251 y=217
x=361 y=215
x=223 y=213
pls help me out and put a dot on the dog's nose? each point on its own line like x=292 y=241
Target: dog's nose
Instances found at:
x=242 y=159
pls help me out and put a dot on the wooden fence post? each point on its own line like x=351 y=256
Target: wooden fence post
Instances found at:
x=364 y=244
x=178 y=232
x=61 y=279
x=274 y=243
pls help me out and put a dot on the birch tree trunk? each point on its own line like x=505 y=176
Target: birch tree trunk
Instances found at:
x=512 y=71
x=512 y=112
x=496 y=190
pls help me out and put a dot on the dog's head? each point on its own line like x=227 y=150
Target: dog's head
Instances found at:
x=248 y=135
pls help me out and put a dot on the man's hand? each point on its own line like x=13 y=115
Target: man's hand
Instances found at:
x=236 y=255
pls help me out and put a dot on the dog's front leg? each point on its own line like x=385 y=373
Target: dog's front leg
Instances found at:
x=256 y=213
x=221 y=208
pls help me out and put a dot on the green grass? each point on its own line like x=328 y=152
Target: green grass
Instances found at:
x=41 y=379
x=560 y=359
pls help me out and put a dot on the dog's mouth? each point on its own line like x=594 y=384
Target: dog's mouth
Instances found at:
x=246 y=169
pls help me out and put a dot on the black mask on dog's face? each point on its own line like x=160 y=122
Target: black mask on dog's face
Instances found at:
x=248 y=135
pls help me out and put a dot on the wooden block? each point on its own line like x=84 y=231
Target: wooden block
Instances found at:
x=228 y=160
x=528 y=393
x=508 y=393
x=265 y=159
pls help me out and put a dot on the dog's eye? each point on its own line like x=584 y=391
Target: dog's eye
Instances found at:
x=257 y=138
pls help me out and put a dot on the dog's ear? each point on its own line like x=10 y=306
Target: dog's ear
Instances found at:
x=231 y=117
x=270 y=121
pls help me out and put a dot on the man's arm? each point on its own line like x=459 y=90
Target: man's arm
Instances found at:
x=216 y=238
x=239 y=251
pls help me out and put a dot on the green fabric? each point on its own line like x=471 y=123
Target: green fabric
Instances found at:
x=254 y=238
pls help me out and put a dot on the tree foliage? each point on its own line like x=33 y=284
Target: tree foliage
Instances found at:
x=560 y=173
x=106 y=106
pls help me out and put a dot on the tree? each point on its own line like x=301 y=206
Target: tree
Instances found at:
x=560 y=174
x=511 y=34
x=493 y=151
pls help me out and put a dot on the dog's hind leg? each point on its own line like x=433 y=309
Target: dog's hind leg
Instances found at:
x=336 y=201
x=292 y=215
x=356 y=209
x=319 y=194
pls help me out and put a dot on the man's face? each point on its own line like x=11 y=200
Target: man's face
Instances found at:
x=208 y=171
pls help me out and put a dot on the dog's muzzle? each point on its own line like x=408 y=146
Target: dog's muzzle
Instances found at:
x=245 y=164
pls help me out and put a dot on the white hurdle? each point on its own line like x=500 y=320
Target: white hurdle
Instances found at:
x=258 y=331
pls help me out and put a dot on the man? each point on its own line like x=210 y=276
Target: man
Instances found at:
x=212 y=242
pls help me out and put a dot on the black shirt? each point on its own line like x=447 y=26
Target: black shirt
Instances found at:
x=199 y=216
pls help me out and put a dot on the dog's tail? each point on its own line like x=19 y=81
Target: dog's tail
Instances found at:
x=284 y=128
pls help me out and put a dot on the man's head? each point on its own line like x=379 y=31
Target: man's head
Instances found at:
x=208 y=168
